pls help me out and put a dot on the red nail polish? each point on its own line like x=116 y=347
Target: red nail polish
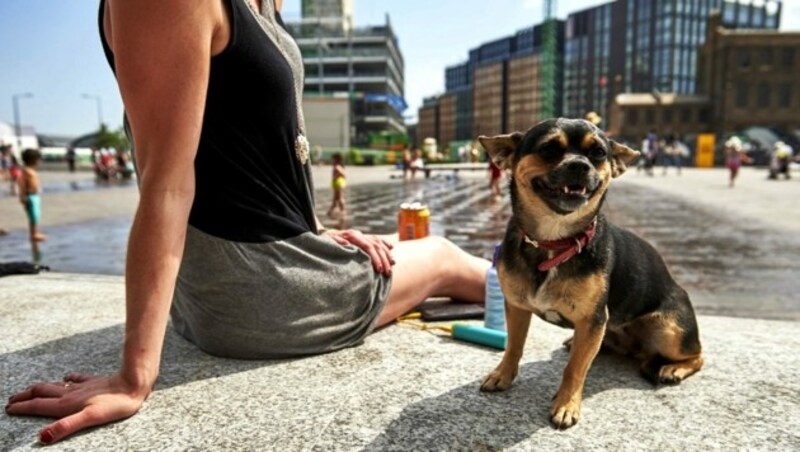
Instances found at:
x=46 y=436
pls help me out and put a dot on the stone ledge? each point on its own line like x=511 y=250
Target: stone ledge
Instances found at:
x=402 y=389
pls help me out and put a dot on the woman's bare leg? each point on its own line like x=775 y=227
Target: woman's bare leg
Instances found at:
x=428 y=267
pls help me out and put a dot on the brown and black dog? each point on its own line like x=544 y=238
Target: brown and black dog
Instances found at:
x=562 y=260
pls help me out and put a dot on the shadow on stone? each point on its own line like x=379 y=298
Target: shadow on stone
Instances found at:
x=97 y=352
x=467 y=419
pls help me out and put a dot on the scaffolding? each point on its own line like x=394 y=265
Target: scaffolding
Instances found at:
x=547 y=80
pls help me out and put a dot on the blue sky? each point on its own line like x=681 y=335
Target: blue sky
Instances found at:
x=51 y=48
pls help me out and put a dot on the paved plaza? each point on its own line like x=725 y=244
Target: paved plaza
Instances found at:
x=735 y=250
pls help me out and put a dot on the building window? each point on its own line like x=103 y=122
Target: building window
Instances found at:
x=763 y=95
x=704 y=116
x=741 y=94
x=766 y=56
x=787 y=57
x=633 y=116
x=744 y=57
x=666 y=115
x=650 y=117
x=686 y=114
x=785 y=98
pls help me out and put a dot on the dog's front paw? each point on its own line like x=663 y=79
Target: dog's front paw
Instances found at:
x=499 y=379
x=566 y=411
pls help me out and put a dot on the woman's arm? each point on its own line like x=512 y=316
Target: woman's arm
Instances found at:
x=162 y=52
x=163 y=71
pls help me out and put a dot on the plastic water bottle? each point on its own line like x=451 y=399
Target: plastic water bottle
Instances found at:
x=495 y=302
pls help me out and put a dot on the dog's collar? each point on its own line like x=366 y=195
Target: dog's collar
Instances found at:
x=566 y=249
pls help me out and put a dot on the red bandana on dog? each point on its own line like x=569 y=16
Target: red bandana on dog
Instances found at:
x=566 y=248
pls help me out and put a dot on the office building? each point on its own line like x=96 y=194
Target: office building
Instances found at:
x=363 y=63
x=745 y=78
x=636 y=46
x=752 y=78
x=497 y=90
x=428 y=120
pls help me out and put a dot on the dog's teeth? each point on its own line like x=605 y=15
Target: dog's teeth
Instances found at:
x=566 y=189
x=583 y=191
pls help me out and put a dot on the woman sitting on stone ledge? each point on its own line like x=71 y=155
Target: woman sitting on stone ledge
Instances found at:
x=225 y=238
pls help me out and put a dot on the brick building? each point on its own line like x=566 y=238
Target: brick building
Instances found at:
x=745 y=78
x=751 y=77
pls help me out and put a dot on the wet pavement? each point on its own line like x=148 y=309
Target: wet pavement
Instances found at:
x=729 y=265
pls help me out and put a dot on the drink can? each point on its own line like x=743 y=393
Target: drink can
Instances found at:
x=413 y=221
x=405 y=224
x=422 y=222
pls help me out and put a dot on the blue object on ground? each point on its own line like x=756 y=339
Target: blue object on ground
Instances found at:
x=480 y=335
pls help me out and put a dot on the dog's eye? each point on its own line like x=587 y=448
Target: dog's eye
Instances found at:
x=597 y=153
x=551 y=151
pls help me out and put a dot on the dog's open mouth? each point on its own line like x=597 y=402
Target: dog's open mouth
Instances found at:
x=558 y=191
x=564 y=197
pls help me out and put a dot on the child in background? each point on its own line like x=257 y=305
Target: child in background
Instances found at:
x=338 y=183
x=495 y=175
x=734 y=157
x=29 y=189
x=14 y=172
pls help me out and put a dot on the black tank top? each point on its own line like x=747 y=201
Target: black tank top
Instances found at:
x=250 y=184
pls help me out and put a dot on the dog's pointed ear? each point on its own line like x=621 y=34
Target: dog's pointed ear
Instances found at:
x=621 y=156
x=501 y=147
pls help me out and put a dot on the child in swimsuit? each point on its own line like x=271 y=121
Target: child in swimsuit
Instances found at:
x=338 y=183
x=29 y=189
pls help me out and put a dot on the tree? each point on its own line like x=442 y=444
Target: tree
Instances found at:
x=116 y=139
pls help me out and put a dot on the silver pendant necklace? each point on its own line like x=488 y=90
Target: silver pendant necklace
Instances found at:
x=301 y=144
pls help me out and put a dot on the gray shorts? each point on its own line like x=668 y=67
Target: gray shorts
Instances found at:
x=305 y=295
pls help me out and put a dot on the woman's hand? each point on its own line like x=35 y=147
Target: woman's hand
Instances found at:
x=378 y=249
x=79 y=402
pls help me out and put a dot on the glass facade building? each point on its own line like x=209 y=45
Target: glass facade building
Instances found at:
x=645 y=45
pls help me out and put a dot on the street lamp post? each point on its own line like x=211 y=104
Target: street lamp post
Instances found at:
x=99 y=108
x=17 y=126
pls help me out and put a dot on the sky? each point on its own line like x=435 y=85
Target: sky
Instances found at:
x=51 y=48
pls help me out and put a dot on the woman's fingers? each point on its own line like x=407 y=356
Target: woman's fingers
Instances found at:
x=77 y=377
x=379 y=253
x=40 y=406
x=80 y=402
x=64 y=427
x=377 y=248
x=39 y=390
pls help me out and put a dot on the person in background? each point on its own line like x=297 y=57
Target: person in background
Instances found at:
x=651 y=155
x=70 y=156
x=338 y=183
x=495 y=176
x=594 y=118
x=779 y=160
x=416 y=162
x=14 y=172
x=5 y=161
x=225 y=240
x=406 y=163
x=673 y=154
x=734 y=157
x=29 y=196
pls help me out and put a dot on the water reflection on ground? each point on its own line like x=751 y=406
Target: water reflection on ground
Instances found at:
x=733 y=267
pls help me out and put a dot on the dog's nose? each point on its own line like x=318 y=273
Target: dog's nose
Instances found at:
x=579 y=167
